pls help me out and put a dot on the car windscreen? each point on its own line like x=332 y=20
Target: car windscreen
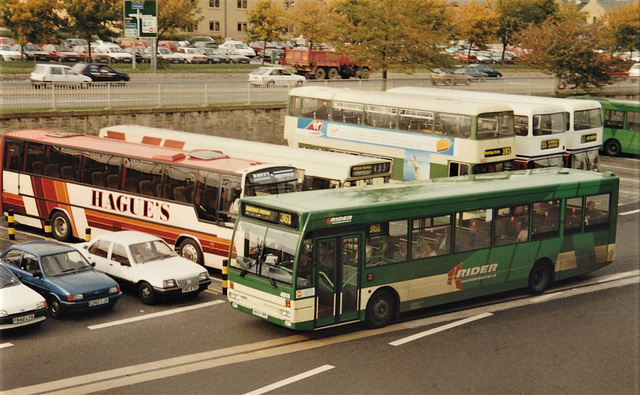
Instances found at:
x=7 y=279
x=63 y=263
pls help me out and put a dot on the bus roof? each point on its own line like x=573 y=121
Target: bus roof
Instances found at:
x=408 y=194
x=141 y=151
x=513 y=101
x=619 y=103
x=399 y=100
x=313 y=162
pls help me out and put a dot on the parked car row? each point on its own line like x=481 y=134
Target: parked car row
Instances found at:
x=463 y=75
x=48 y=275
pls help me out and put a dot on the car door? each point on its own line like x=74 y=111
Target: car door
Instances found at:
x=119 y=263
x=98 y=255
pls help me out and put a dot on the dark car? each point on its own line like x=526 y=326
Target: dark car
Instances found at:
x=472 y=72
x=61 y=275
x=34 y=52
x=485 y=68
x=100 y=72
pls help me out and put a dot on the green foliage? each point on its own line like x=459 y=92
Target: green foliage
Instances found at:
x=513 y=16
x=312 y=20
x=101 y=18
x=31 y=20
x=566 y=49
x=266 y=22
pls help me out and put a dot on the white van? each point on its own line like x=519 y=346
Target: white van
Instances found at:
x=241 y=47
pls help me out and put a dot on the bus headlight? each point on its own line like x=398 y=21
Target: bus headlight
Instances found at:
x=285 y=313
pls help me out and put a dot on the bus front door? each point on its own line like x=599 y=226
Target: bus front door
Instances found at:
x=337 y=279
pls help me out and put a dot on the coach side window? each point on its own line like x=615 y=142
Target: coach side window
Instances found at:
x=13 y=156
x=546 y=219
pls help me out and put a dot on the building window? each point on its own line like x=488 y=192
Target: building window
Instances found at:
x=214 y=3
x=214 y=26
x=242 y=26
x=242 y=3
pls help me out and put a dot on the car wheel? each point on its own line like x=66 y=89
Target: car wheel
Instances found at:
x=146 y=294
x=271 y=84
x=61 y=226
x=55 y=307
x=612 y=147
x=190 y=250
x=299 y=83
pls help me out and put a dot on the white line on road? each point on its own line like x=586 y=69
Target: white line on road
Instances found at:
x=417 y=336
x=5 y=345
x=630 y=212
x=154 y=315
x=290 y=380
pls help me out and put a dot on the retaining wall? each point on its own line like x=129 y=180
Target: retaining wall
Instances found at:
x=263 y=123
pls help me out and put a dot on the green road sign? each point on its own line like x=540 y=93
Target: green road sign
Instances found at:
x=144 y=15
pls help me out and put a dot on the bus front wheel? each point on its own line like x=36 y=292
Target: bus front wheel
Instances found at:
x=61 y=226
x=380 y=310
x=191 y=250
x=541 y=277
x=612 y=147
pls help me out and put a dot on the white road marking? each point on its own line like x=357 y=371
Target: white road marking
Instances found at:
x=290 y=380
x=5 y=345
x=545 y=297
x=630 y=212
x=420 y=335
x=187 y=364
x=154 y=315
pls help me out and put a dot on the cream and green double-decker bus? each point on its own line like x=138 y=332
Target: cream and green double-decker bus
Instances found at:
x=321 y=258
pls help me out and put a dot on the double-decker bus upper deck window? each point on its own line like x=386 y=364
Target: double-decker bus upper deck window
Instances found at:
x=596 y=212
x=453 y=125
x=587 y=119
x=473 y=230
x=546 y=219
x=494 y=125
x=416 y=121
x=386 y=243
x=347 y=112
x=545 y=124
x=511 y=225
x=309 y=108
x=573 y=216
x=521 y=125
x=430 y=236
x=380 y=116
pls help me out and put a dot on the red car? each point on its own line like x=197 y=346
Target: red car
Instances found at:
x=61 y=53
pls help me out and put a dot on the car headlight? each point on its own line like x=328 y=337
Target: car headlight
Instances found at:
x=203 y=276
x=114 y=290
x=41 y=305
x=71 y=298
x=168 y=283
x=3 y=313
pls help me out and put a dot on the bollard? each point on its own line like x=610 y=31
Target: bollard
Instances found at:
x=11 y=225
x=225 y=271
x=87 y=234
x=47 y=229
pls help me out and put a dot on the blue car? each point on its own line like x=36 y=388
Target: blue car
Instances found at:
x=61 y=275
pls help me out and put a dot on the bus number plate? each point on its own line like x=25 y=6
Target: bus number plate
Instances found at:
x=259 y=313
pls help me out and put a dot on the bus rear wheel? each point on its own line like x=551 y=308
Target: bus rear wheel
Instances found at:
x=612 y=147
x=61 y=226
x=191 y=250
x=540 y=277
x=380 y=310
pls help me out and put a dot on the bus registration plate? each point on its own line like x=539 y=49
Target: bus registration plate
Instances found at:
x=98 y=302
x=259 y=313
x=190 y=289
x=24 y=318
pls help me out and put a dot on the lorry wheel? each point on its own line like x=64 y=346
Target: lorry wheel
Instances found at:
x=333 y=73
x=320 y=74
x=364 y=73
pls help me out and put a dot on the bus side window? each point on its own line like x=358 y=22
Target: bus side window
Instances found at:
x=633 y=121
x=596 y=214
x=573 y=216
x=546 y=219
x=614 y=119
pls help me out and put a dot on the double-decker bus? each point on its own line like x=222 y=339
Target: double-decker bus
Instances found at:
x=320 y=169
x=324 y=258
x=540 y=129
x=81 y=182
x=425 y=137
x=621 y=126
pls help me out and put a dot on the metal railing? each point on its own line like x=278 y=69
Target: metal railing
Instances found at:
x=21 y=95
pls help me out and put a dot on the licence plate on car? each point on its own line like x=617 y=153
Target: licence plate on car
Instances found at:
x=98 y=302
x=260 y=313
x=190 y=289
x=24 y=318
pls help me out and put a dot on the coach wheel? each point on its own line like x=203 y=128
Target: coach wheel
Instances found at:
x=540 y=278
x=146 y=294
x=61 y=227
x=612 y=147
x=320 y=73
x=333 y=73
x=380 y=310
x=191 y=250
